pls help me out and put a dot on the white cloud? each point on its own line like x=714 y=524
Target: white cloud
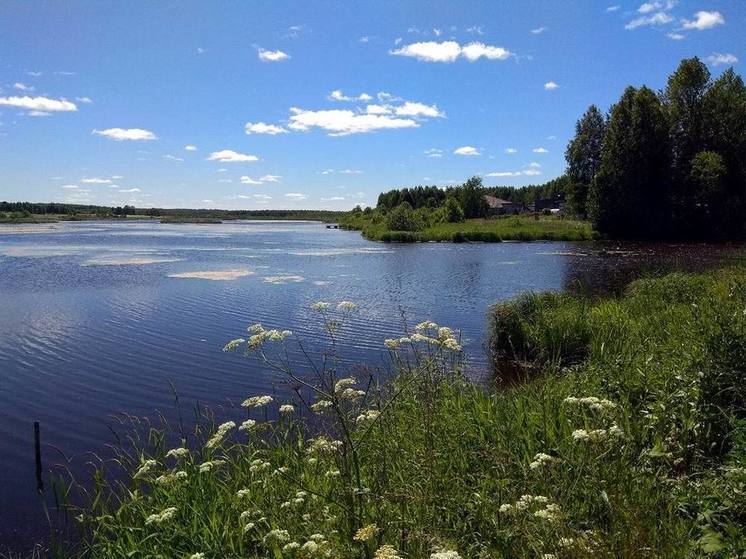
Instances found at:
x=270 y=178
x=122 y=134
x=170 y=157
x=333 y=199
x=95 y=180
x=344 y=122
x=717 y=59
x=364 y=39
x=531 y=170
x=248 y=180
x=23 y=87
x=295 y=196
x=34 y=74
x=262 y=128
x=550 y=86
x=503 y=174
x=258 y=197
x=658 y=18
x=703 y=20
x=477 y=29
x=449 y=51
x=200 y=50
x=190 y=147
x=337 y=95
x=44 y=104
x=230 y=156
x=540 y=150
x=378 y=109
x=84 y=99
x=418 y=109
x=538 y=30
x=350 y=172
x=654 y=6
x=70 y=186
x=511 y=151
x=612 y=8
x=434 y=152
x=131 y=190
x=272 y=55
x=466 y=150
x=475 y=51
x=675 y=36
x=38 y=113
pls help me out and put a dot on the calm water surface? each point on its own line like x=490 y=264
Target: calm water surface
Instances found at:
x=92 y=321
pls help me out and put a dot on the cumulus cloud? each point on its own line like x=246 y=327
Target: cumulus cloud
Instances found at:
x=378 y=109
x=449 y=51
x=703 y=20
x=511 y=151
x=126 y=134
x=131 y=190
x=344 y=122
x=230 y=156
x=190 y=147
x=96 y=180
x=295 y=196
x=434 y=152
x=550 y=85
x=350 y=172
x=658 y=18
x=84 y=99
x=23 y=87
x=170 y=157
x=467 y=150
x=675 y=36
x=44 y=104
x=262 y=128
x=531 y=170
x=272 y=55
x=270 y=178
x=540 y=150
x=337 y=95
x=70 y=186
x=538 y=30
x=717 y=59
x=612 y=8
x=410 y=108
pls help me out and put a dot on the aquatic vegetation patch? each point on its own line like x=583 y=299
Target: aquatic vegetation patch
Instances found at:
x=129 y=260
x=283 y=279
x=213 y=275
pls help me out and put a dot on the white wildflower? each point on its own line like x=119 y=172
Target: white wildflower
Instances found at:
x=365 y=533
x=444 y=333
x=243 y=493
x=233 y=344
x=369 y=415
x=320 y=306
x=346 y=306
x=323 y=445
x=310 y=547
x=343 y=383
x=391 y=343
x=145 y=468
x=320 y=406
x=178 y=453
x=425 y=326
x=276 y=537
x=445 y=554
x=172 y=478
x=506 y=508
x=540 y=460
x=163 y=516
x=247 y=425
x=287 y=408
x=386 y=552
x=220 y=434
x=197 y=556
x=451 y=344
x=351 y=394
x=257 y=401
x=256 y=328
x=207 y=466
x=290 y=547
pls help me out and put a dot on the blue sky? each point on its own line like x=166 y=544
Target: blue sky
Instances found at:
x=319 y=104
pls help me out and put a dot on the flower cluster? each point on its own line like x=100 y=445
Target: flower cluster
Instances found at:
x=145 y=468
x=259 y=465
x=365 y=533
x=160 y=517
x=247 y=425
x=321 y=405
x=595 y=404
x=546 y=510
x=172 y=478
x=323 y=445
x=386 y=552
x=540 y=460
x=445 y=554
x=597 y=435
x=220 y=434
x=208 y=466
x=276 y=537
x=256 y=401
x=430 y=333
x=368 y=416
x=177 y=453
x=287 y=409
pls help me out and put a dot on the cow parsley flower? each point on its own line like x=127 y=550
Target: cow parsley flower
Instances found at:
x=540 y=460
x=178 y=453
x=197 y=556
x=145 y=468
x=247 y=425
x=365 y=533
x=256 y=401
x=290 y=547
x=369 y=415
x=243 y=493
x=208 y=466
x=163 y=516
x=233 y=344
x=320 y=406
x=343 y=383
x=320 y=306
x=256 y=328
x=386 y=552
x=172 y=478
x=346 y=306
x=276 y=537
x=220 y=434
x=391 y=343
x=351 y=394
x=287 y=408
x=445 y=554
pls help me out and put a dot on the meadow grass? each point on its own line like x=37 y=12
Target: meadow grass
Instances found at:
x=624 y=438
x=507 y=228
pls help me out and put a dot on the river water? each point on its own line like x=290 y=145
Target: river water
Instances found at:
x=98 y=318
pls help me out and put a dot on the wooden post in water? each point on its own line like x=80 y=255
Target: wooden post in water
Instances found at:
x=37 y=452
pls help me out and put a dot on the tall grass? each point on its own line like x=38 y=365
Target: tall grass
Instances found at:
x=509 y=228
x=627 y=440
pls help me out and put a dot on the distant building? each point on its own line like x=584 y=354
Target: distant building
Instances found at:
x=554 y=205
x=498 y=206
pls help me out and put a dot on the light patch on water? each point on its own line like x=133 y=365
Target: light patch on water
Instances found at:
x=214 y=275
x=322 y=283
x=22 y=228
x=283 y=279
x=37 y=251
x=128 y=260
x=559 y=253
x=509 y=262
x=342 y=251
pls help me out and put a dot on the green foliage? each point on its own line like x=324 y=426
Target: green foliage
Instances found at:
x=583 y=156
x=403 y=218
x=454 y=213
x=472 y=200
x=628 y=195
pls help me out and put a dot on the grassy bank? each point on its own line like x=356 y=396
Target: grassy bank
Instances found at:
x=509 y=228
x=625 y=438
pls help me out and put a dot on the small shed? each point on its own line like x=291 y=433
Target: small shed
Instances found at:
x=498 y=206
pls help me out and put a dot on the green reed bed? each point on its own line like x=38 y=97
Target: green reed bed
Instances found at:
x=510 y=228
x=623 y=435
